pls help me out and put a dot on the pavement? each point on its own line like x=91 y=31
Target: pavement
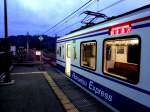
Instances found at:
x=33 y=93
x=79 y=98
x=30 y=93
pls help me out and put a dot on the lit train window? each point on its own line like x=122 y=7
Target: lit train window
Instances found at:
x=68 y=51
x=122 y=58
x=63 y=51
x=88 y=54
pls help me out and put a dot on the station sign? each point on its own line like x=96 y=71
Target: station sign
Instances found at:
x=38 y=53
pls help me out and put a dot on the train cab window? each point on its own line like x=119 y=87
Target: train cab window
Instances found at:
x=122 y=58
x=88 y=54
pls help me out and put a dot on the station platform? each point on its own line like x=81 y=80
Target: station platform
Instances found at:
x=46 y=90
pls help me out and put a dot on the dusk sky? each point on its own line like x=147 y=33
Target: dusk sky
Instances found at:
x=37 y=16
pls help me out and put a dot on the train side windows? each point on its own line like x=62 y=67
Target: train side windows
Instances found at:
x=68 y=51
x=88 y=54
x=60 y=51
x=121 y=58
x=57 y=51
x=63 y=51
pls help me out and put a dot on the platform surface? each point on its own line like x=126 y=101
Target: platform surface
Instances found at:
x=30 y=93
x=79 y=98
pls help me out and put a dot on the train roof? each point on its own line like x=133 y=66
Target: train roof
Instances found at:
x=109 y=19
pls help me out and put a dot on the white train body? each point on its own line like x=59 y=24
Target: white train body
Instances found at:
x=111 y=60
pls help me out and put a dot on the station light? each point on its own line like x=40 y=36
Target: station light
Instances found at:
x=38 y=53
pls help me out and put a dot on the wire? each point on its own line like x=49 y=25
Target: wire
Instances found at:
x=67 y=16
x=72 y=17
x=82 y=9
x=68 y=26
x=115 y=3
x=87 y=5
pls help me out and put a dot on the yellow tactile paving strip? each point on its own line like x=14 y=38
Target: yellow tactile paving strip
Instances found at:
x=66 y=103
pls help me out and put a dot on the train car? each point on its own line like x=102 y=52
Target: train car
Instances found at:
x=111 y=60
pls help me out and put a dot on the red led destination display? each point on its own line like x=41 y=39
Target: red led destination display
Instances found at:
x=122 y=29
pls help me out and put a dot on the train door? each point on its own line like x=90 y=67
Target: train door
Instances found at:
x=68 y=59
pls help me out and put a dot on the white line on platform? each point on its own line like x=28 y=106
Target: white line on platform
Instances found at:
x=27 y=73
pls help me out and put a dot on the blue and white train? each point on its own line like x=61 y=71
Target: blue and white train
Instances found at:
x=111 y=60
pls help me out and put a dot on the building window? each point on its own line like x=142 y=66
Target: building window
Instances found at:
x=88 y=54
x=122 y=58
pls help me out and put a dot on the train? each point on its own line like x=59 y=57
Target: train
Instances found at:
x=110 y=60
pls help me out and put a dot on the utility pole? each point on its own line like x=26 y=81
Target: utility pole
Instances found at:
x=5 y=19
x=6 y=47
x=27 y=42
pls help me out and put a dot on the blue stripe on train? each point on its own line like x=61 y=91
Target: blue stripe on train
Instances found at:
x=118 y=101
x=61 y=68
x=113 y=79
x=115 y=99
x=110 y=78
x=141 y=26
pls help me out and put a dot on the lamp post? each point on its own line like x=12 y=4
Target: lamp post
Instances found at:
x=27 y=42
x=41 y=39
